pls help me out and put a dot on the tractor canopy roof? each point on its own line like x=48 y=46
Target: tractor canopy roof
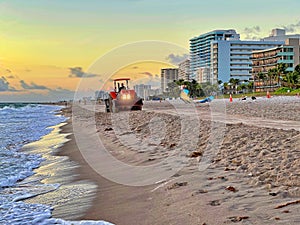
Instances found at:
x=120 y=79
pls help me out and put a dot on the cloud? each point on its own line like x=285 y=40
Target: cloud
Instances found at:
x=5 y=70
x=55 y=95
x=176 y=59
x=252 y=32
x=78 y=72
x=148 y=74
x=60 y=89
x=292 y=27
x=61 y=93
x=32 y=86
x=151 y=79
x=10 y=77
x=4 y=85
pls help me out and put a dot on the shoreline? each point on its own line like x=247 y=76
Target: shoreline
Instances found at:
x=109 y=197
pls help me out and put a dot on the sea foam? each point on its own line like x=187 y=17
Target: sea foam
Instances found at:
x=21 y=124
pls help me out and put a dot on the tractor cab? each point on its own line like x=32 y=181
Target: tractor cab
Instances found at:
x=121 y=84
x=121 y=89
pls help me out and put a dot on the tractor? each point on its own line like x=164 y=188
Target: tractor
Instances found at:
x=122 y=98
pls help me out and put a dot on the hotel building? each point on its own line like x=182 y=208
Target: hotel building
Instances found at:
x=200 y=48
x=288 y=53
x=232 y=58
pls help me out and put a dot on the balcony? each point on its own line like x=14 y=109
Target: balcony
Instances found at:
x=285 y=53
x=286 y=61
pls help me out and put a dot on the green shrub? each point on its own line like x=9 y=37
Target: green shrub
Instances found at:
x=296 y=91
x=283 y=90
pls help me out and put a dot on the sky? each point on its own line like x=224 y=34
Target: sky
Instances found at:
x=50 y=49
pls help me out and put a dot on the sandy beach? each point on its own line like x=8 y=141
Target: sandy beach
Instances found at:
x=244 y=167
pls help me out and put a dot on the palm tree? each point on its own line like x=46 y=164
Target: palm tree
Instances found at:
x=257 y=78
x=199 y=90
x=297 y=69
x=250 y=85
x=225 y=85
x=193 y=88
x=271 y=75
x=292 y=78
x=297 y=74
x=234 y=82
x=262 y=77
x=281 y=71
x=179 y=82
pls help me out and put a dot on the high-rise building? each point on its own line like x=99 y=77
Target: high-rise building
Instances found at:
x=280 y=35
x=184 y=70
x=200 y=48
x=264 y=60
x=232 y=58
x=168 y=75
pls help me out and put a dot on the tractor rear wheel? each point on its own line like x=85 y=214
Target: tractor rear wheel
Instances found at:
x=109 y=104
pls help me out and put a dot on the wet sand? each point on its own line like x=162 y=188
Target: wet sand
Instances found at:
x=251 y=175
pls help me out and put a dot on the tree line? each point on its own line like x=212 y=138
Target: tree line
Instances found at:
x=195 y=89
x=275 y=77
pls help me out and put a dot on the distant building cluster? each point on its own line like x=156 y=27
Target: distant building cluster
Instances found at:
x=145 y=91
x=220 y=55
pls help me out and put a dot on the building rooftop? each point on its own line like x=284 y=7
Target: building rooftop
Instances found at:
x=280 y=35
x=229 y=31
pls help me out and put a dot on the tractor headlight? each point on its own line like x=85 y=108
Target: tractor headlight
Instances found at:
x=126 y=97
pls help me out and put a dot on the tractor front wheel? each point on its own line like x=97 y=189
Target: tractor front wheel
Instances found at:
x=115 y=108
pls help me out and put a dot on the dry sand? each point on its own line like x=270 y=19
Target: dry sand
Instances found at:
x=253 y=175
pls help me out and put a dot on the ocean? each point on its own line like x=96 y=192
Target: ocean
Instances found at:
x=29 y=138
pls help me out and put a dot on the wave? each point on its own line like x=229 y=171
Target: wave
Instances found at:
x=16 y=105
